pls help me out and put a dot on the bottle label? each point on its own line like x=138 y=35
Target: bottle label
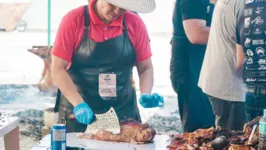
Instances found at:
x=59 y=135
x=262 y=127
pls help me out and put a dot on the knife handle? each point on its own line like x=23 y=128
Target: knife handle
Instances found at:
x=73 y=117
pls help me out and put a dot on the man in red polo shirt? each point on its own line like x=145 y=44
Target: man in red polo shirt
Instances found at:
x=92 y=59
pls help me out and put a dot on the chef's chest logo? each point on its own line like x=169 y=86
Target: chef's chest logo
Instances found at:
x=249 y=53
x=258 y=42
x=247 y=42
x=258 y=21
x=107 y=78
x=262 y=62
x=250 y=61
x=259 y=10
x=248 y=12
x=247 y=22
x=260 y=51
x=257 y=31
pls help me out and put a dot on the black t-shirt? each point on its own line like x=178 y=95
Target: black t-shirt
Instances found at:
x=186 y=57
x=251 y=34
x=188 y=9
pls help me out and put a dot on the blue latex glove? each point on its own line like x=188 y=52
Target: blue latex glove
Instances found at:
x=83 y=113
x=150 y=101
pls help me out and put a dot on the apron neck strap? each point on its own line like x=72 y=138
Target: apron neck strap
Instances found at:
x=86 y=21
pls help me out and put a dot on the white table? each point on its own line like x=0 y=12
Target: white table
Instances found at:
x=9 y=129
x=160 y=143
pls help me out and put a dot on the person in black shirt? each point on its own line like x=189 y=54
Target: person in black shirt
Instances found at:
x=251 y=38
x=191 y=19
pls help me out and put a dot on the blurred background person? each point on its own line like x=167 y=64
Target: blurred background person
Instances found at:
x=191 y=20
x=220 y=78
x=251 y=37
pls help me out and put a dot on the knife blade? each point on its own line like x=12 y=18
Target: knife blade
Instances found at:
x=107 y=121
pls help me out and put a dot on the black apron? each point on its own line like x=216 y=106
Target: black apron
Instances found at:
x=186 y=61
x=115 y=55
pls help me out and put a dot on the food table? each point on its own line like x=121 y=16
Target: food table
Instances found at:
x=160 y=143
x=9 y=129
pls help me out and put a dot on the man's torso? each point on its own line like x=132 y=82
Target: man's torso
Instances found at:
x=219 y=75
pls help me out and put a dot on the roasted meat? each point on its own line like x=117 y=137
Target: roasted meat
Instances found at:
x=218 y=139
x=200 y=139
x=130 y=132
x=205 y=139
x=248 y=126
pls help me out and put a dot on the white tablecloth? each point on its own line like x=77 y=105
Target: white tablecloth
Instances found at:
x=160 y=143
x=7 y=124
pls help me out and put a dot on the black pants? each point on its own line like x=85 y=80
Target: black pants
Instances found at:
x=194 y=106
x=255 y=101
x=228 y=115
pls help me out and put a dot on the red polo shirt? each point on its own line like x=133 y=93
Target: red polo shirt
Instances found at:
x=70 y=32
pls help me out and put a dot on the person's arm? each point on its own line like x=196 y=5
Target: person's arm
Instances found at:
x=141 y=44
x=144 y=65
x=239 y=16
x=196 y=31
x=194 y=15
x=62 y=53
x=240 y=56
x=64 y=82
x=145 y=71
x=213 y=1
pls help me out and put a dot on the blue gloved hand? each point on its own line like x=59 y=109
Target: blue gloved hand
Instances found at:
x=83 y=113
x=150 y=101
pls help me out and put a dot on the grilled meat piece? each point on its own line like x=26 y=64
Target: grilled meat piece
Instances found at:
x=249 y=125
x=130 y=132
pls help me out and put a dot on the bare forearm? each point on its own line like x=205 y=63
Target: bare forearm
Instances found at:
x=240 y=56
x=67 y=87
x=146 y=81
x=197 y=31
x=203 y=36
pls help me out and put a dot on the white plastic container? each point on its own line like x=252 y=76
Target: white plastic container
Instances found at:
x=50 y=117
